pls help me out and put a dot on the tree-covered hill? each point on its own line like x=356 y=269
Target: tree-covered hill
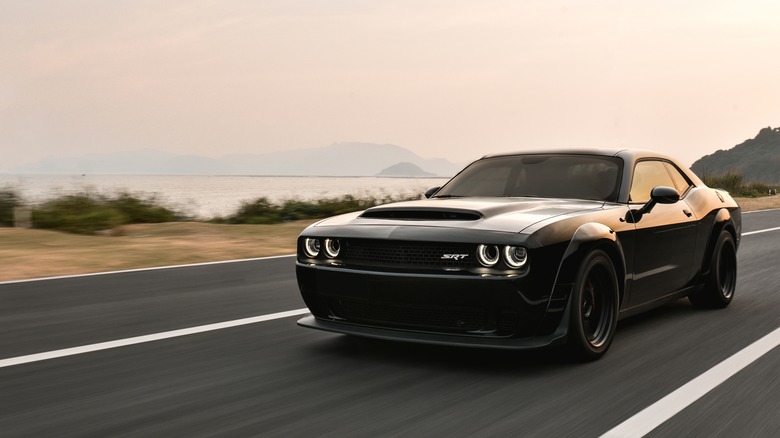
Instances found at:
x=756 y=159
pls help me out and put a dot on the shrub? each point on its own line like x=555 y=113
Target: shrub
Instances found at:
x=82 y=214
x=87 y=213
x=733 y=182
x=8 y=201
x=729 y=181
x=262 y=211
x=140 y=211
x=259 y=211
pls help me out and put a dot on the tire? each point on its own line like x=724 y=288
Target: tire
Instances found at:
x=721 y=281
x=594 y=307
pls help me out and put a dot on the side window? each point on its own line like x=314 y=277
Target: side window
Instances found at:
x=680 y=182
x=648 y=174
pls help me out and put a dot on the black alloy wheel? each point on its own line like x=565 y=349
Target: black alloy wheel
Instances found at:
x=593 y=315
x=721 y=281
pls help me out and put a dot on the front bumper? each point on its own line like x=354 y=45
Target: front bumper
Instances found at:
x=497 y=312
x=432 y=338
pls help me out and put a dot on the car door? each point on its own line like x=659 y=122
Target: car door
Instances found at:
x=665 y=238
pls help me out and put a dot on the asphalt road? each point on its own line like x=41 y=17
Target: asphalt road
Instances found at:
x=275 y=379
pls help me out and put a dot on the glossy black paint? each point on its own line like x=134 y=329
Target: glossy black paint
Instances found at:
x=406 y=270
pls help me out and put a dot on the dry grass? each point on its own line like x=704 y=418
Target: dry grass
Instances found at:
x=763 y=203
x=38 y=253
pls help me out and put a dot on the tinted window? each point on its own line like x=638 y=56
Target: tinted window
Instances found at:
x=647 y=175
x=544 y=176
x=680 y=181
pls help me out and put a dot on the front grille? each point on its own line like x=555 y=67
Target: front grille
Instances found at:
x=508 y=321
x=444 y=318
x=367 y=252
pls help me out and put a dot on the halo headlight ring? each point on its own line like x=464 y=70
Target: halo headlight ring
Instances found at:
x=515 y=257
x=488 y=255
x=332 y=248
x=311 y=247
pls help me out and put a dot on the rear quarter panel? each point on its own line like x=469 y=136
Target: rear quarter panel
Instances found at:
x=715 y=210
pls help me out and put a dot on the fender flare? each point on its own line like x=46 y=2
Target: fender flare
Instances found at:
x=723 y=220
x=587 y=236
x=722 y=217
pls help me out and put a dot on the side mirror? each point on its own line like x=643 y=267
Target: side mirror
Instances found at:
x=664 y=195
x=430 y=192
x=659 y=195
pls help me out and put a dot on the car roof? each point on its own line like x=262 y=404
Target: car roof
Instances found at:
x=628 y=155
x=607 y=152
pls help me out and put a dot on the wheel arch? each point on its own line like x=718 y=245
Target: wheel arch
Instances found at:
x=589 y=237
x=723 y=222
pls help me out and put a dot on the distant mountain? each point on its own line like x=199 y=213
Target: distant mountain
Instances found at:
x=757 y=159
x=339 y=159
x=404 y=170
x=190 y=165
x=126 y=162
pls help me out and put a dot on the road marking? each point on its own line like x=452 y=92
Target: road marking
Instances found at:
x=37 y=357
x=760 y=231
x=154 y=268
x=654 y=415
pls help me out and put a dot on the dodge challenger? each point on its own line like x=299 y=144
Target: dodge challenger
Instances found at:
x=525 y=250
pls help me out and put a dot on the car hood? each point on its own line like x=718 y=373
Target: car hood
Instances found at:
x=510 y=215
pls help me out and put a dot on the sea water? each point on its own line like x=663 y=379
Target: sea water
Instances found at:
x=205 y=196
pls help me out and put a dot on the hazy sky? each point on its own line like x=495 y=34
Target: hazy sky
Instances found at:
x=448 y=78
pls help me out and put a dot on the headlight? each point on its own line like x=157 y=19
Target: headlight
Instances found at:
x=487 y=255
x=515 y=256
x=311 y=247
x=332 y=248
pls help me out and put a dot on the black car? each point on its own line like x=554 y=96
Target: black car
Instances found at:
x=523 y=251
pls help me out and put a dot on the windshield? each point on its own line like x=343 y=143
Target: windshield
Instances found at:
x=543 y=176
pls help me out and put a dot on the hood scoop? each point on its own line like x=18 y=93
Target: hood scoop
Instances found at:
x=421 y=214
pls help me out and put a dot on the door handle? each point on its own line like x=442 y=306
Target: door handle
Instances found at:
x=687 y=213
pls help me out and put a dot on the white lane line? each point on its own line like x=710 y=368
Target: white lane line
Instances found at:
x=146 y=338
x=654 y=415
x=154 y=268
x=760 y=231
